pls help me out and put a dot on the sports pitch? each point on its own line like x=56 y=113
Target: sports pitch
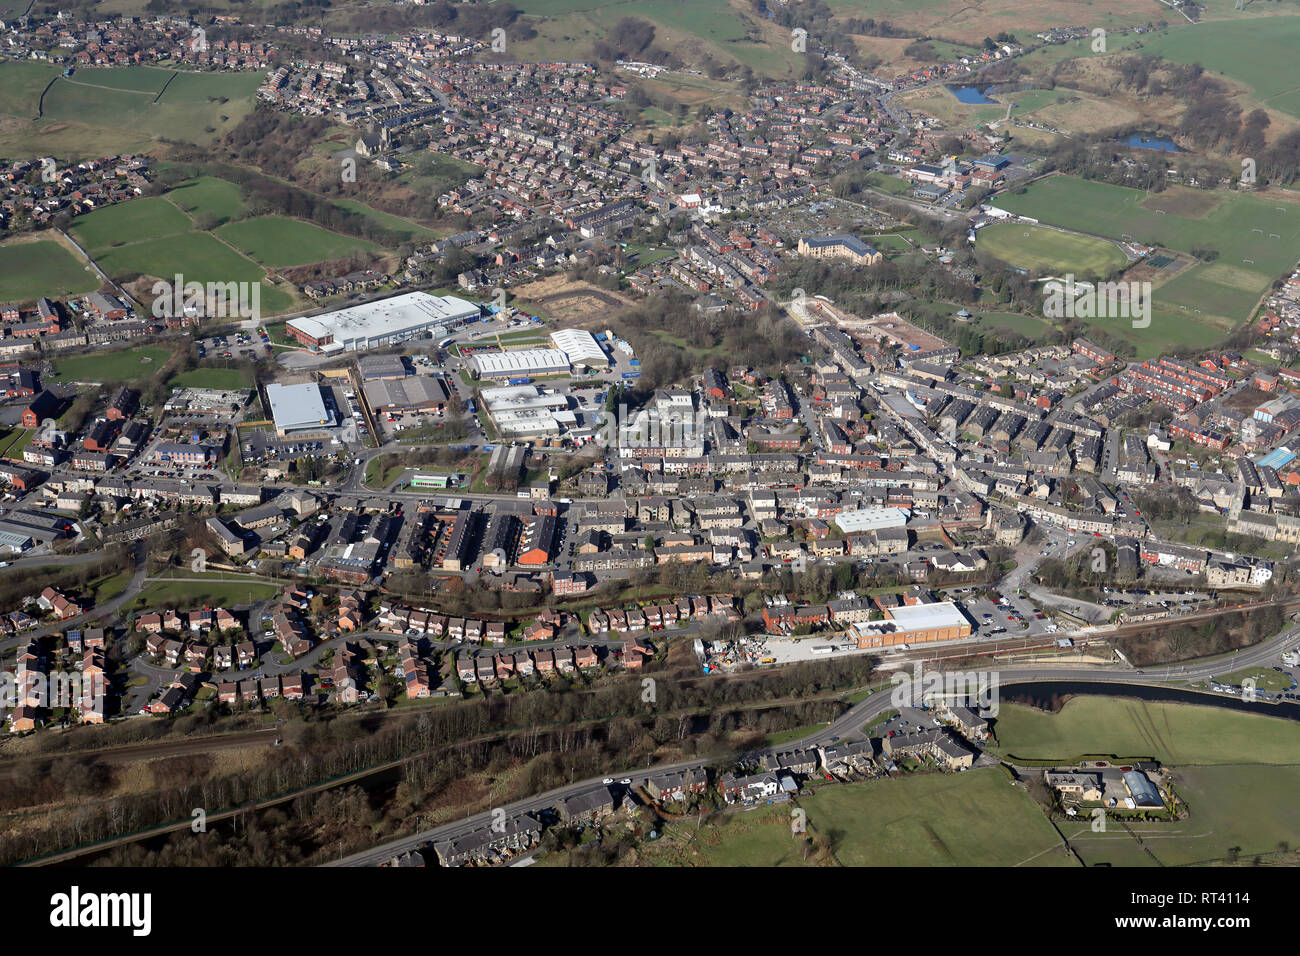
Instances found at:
x=1247 y=241
x=1050 y=251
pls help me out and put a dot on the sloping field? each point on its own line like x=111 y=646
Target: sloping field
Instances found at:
x=29 y=270
x=97 y=112
x=146 y=218
x=968 y=819
x=280 y=243
x=1259 y=53
x=1246 y=240
x=1175 y=734
x=208 y=194
x=1249 y=808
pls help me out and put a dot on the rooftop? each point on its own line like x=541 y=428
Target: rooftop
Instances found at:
x=296 y=406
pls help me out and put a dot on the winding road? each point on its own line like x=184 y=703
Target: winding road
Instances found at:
x=853 y=721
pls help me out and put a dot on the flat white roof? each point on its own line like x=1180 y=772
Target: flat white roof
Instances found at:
x=387 y=318
x=521 y=362
x=580 y=346
x=870 y=519
x=924 y=617
x=296 y=406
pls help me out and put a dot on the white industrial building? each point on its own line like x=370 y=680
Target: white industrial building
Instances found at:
x=525 y=411
x=861 y=520
x=581 y=347
x=295 y=408
x=521 y=362
x=384 y=322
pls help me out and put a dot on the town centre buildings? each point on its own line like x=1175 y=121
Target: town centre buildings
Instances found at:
x=386 y=321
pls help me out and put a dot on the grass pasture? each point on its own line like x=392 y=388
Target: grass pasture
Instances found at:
x=101 y=111
x=1027 y=325
x=208 y=194
x=110 y=368
x=31 y=269
x=195 y=107
x=138 y=219
x=280 y=243
x=727 y=30
x=409 y=229
x=968 y=819
x=199 y=257
x=754 y=838
x=1246 y=807
x=1175 y=734
x=1256 y=52
x=1050 y=251
x=1246 y=241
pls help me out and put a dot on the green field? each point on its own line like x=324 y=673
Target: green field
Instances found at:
x=1027 y=325
x=754 y=838
x=931 y=819
x=131 y=221
x=208 y=194
x=183 y=593
x=968 y=819
x=97 y=112
x=1050 y=251
x=1174 y=734
x=888 y=184
x=29 y=270
x=715 y=25
x=1249 y=807
x=408 y=228
x=280 y=243
x=219 y=378
x=13 y=441
x=154 y=236
x=124 y=365
x=199 y=257
x=1252 y=239
x=1258 y=53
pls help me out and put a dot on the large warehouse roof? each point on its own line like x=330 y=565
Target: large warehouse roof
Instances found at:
x=296 y=406
x=526 y=410
x=411 y=392
x=401 y=316
x=580 y=346
x=925 y=617
x=870 y=519
x=521 y=362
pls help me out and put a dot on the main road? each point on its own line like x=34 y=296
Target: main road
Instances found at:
x=852 y=721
